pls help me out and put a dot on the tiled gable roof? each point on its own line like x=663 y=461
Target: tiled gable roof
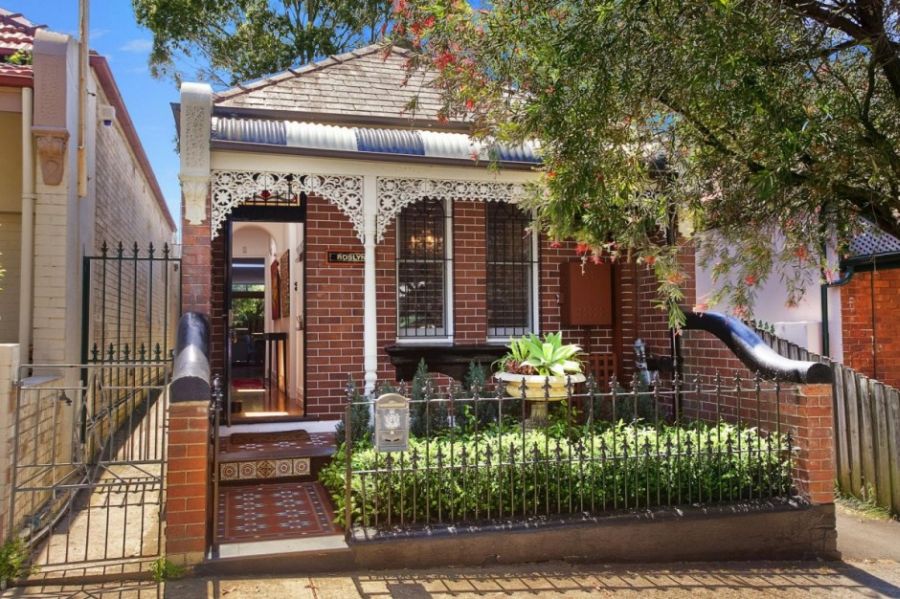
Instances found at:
x=369 y=82
x=16 y=32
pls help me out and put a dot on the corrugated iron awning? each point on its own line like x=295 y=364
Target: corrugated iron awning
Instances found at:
x=368 y=140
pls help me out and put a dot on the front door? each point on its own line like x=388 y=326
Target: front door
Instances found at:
x=263 y=313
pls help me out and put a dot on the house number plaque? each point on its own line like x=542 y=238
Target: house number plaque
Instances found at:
x=346 y=257
x=391 y=422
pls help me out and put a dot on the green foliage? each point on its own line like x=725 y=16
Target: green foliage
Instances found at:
x=19 y=57
x=248 y=312
x=427 y=416
x=231 y=41
x=15 y=560
x=360 y=418
x=665 y=465
x=545 y=357
x=745 y=121
x=162 y=569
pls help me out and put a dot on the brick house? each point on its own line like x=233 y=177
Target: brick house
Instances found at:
x=329 y=230
x=393 y=239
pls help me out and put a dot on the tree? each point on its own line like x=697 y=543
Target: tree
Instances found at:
x=229 y=41
x=755 y=119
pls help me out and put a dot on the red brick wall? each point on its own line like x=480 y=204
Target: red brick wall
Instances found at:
x=883 y=361
x=334 y=310
x=334 y=302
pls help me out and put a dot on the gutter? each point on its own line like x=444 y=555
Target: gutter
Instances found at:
x=111 y=90
x=26 y=264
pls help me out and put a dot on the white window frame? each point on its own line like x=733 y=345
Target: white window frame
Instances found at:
x=447 y=337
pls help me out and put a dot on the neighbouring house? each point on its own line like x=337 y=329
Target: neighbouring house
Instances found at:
x=49 y=306
x=870 y=306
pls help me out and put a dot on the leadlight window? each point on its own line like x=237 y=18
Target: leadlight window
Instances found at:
x=422 y=258
x=511 y=272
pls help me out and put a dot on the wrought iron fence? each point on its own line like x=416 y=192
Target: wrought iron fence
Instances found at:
x=480 y=457
x=131 y=303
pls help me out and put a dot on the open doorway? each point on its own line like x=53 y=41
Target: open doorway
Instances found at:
x=265 y=305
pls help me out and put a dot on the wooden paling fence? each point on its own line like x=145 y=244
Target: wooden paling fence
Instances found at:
x=867 y=430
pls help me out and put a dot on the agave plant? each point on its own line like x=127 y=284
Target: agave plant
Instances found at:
x=544 y=357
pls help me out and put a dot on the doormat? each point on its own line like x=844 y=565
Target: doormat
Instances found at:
x=250 y=384
x=274 y=511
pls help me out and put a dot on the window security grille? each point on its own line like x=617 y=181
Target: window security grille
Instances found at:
x=421 y=271
x=510 y=271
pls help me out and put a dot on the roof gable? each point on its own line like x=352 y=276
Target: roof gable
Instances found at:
x=369 y=82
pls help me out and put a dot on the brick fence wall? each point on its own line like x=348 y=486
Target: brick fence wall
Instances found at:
x=871 y=340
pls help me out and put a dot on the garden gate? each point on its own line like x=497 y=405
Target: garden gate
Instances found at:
x=89 y=438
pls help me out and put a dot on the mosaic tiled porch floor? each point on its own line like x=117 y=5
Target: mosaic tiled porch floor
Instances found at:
x=274 y=511
x=264 y=456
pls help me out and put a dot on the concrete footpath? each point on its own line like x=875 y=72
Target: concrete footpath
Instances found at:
x=871 y=568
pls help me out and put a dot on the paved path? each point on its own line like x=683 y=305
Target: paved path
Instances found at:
x=871 y=569
x=862 y=538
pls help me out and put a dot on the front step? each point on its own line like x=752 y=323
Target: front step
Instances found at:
x=246 y=457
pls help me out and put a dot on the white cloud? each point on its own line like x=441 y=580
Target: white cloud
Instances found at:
x=137 y=45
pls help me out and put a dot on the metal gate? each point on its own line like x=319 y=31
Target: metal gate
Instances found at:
x=89 y=450
x=89 y=457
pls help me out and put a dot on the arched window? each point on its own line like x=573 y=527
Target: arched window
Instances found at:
x=422 y=271
x=511 y=272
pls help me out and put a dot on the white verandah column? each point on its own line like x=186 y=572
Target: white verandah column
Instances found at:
x=370 y=289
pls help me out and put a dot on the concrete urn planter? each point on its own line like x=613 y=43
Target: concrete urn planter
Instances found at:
x=535 y=390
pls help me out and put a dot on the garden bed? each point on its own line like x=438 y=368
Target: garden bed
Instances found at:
x=503 y=474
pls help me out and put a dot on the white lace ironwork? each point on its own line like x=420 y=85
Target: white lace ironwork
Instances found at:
x=231 y=188
x=394 y=194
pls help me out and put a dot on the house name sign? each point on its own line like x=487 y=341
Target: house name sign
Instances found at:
x=336 y=257
x=391 y=422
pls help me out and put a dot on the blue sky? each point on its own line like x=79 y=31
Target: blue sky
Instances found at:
x=115 y=34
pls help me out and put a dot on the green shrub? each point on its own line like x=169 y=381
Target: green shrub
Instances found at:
x=624 y=466
x=162 y=569
x=426 y=416
x=360 y=426
x=14 y=560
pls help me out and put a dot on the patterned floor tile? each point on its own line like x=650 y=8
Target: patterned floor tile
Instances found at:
x=274 y=511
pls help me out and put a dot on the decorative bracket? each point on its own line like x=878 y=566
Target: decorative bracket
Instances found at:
x=233 y=188
x=51 y=143
x=394 y=194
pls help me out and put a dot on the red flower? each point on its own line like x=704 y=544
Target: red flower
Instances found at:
x=399 y=6
x=443 y=60
x=650 y=260
x=801 y=252
x=470 y=104
x=582 y=248
x=750 y=280
x=555 y=245
x=551 y=174
x=429 y=21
